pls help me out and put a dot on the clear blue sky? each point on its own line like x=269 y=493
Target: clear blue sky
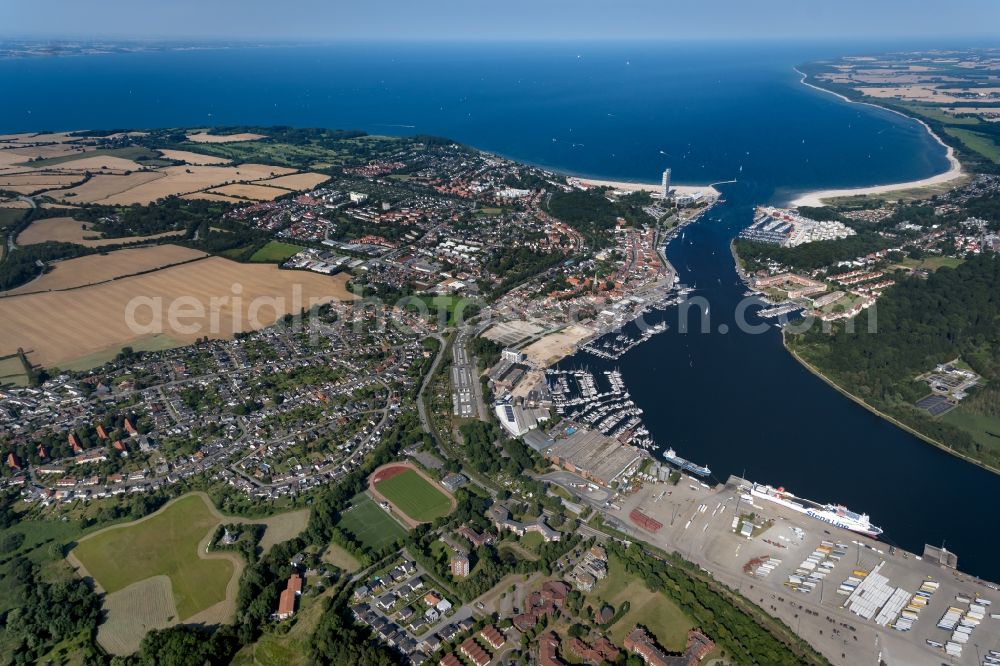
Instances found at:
x=501 y=19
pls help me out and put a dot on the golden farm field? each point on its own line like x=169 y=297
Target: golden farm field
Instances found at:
x=145 y=187
x=205 y=137
x=26 y=183
x=102 y=186
x=96 y=268
x=248 y=191
x=61 y=327
x=68 y=230
x=298 y=181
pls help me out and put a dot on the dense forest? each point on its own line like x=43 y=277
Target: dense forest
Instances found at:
x=517 y=265
x=171 y=214
x=26 y=263
x=486 y=351
x=918 y=324
x=49 y=612
x=592 y=214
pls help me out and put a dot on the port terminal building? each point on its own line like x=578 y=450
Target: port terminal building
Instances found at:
x=595 y=457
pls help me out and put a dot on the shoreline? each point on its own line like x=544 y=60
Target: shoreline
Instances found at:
x=627 y=186
x=815 y=198
x=847 y=394
x=661 y=252
x=877 y=412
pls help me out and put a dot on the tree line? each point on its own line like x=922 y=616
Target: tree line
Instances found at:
x=920 y=323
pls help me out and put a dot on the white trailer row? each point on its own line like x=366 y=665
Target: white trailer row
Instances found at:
x=874 y=593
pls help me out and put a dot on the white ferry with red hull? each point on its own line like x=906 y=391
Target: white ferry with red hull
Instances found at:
x=832 y=514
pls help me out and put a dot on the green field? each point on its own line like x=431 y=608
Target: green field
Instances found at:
x=275 y=252
x=12 y=371
x=652 y=609
x=979 y=143
x=443 y=309
x=932 y=263
x=532 y=541
x=11 y=216
x=340 y=558
x=310 y=155
x=936 y=113
x=984 y=429
x=370 y=524
x=165 y=543
x=414 y=496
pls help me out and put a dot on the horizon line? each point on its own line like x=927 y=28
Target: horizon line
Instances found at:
x=249 y=41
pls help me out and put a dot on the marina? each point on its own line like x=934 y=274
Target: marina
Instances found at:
x=780 y=310
x=616 y=344
x=601 y=402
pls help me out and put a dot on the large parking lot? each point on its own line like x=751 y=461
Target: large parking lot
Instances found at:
x=807 y=575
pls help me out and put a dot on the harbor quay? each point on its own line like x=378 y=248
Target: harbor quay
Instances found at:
x=859 y=610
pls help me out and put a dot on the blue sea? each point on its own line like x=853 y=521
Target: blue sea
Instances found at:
x=711 y=112
x=611 y=110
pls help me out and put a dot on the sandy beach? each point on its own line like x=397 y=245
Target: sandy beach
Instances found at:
x=707 y=190
x=817 y=198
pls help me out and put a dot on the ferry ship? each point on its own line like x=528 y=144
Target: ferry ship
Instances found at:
x=834 y=514
x=671 y=457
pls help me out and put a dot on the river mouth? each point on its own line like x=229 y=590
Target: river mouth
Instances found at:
x=738 y=402
x=712 y=112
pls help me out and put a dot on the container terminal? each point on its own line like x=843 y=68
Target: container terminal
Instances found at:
x=856 y=599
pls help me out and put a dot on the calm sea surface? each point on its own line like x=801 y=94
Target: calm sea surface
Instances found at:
x=733 y=401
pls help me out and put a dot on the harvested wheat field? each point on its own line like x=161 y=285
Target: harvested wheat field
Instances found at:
x=145 y=187
x=49 y=151
x=247 y=191
x=102 y=186
x=8 y=158
x=16 y=137
x=297 y=181
x=99 y=163
x=57 y=137
x=10 y=162
x=97 y=268
x=175 y=180
x=25 y=183
x=205 y=137
x=213 y=297
x=188 y=157
x=133 y=612
x=68 y=230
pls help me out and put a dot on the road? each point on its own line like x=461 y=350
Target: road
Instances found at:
x=421 y=406
x=11 y=245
